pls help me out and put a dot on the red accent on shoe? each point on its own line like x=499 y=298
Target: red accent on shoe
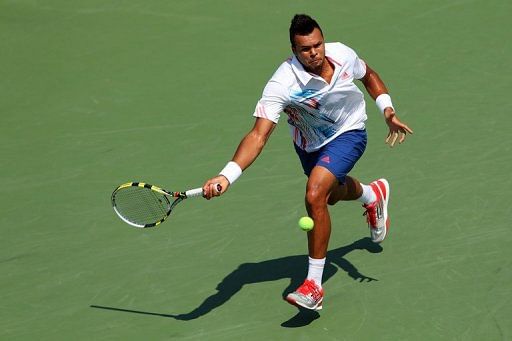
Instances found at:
x=375 y=188
x=385 y=194
x=371 y=213
x=382 y=188
x=310 y=287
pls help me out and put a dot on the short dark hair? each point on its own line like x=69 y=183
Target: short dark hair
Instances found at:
x=302 y=24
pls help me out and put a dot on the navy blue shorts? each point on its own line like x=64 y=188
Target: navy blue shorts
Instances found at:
x=339 y=156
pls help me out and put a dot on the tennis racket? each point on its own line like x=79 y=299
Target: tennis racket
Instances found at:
x=143 y=205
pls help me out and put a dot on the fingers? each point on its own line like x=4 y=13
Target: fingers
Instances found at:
x=215 y=187
x=210 y=190
x=402 y=138
x=399 y=135
x=407 y=129
x=392 y=137
x=397 y=131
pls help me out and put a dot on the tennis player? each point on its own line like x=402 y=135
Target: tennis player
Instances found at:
x=326 y=114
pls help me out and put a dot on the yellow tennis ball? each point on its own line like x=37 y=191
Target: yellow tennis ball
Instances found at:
x=306 y=223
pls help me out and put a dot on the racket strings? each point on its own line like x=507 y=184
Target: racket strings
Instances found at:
x=141 y=205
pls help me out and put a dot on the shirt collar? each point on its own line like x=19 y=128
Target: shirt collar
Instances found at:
x=303 y=76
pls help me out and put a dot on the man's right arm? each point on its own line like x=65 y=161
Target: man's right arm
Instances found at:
x=248 y=150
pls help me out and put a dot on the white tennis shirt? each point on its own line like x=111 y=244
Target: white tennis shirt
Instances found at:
x=317 y=111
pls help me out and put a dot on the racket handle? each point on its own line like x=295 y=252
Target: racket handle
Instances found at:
x=197 y=192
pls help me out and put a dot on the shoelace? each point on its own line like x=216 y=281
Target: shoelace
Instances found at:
x=310 y=288
x=371 y=214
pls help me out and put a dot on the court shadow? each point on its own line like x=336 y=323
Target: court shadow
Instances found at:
x=291 y=267
x=301 y=319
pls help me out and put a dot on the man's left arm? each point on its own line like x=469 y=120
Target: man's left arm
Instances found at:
x=378 y=91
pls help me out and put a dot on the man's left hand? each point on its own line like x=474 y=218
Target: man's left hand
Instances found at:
x=397 y=129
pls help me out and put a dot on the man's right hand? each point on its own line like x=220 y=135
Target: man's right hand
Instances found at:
x=210 y=187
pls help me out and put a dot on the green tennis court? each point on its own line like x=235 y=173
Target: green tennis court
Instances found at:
x=97 y=93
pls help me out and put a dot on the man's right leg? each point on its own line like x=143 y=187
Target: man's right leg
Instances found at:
x=320 y=183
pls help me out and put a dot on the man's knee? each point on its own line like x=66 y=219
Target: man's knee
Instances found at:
x=316 y=196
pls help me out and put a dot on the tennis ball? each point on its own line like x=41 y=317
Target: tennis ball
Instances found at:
x=306 y=223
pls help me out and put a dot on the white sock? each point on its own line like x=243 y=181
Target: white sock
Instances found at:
x=368 y=196
x=316 y=270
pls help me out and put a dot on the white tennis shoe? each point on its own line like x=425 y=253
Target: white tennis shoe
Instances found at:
x=309 y=295
x=377 y=212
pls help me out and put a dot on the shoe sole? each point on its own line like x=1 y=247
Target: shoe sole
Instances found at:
x=317 y=307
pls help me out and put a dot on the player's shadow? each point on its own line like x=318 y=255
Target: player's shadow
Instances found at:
x=292 y=267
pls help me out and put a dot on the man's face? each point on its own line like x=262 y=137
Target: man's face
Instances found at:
x=310 y=51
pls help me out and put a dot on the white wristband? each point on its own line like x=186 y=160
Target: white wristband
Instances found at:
x=231 y=171
x=383 y=101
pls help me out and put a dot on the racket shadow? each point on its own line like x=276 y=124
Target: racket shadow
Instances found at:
x=292 y=267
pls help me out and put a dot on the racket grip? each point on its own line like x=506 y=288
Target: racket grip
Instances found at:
x=197 y=192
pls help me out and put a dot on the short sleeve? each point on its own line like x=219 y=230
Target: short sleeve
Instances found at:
x=273 y=101
x=359 y=68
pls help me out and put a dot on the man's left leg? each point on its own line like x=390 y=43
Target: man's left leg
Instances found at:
x=352 y=189
x=375 y=199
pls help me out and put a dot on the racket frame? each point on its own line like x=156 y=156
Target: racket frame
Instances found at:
x=179 y=196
